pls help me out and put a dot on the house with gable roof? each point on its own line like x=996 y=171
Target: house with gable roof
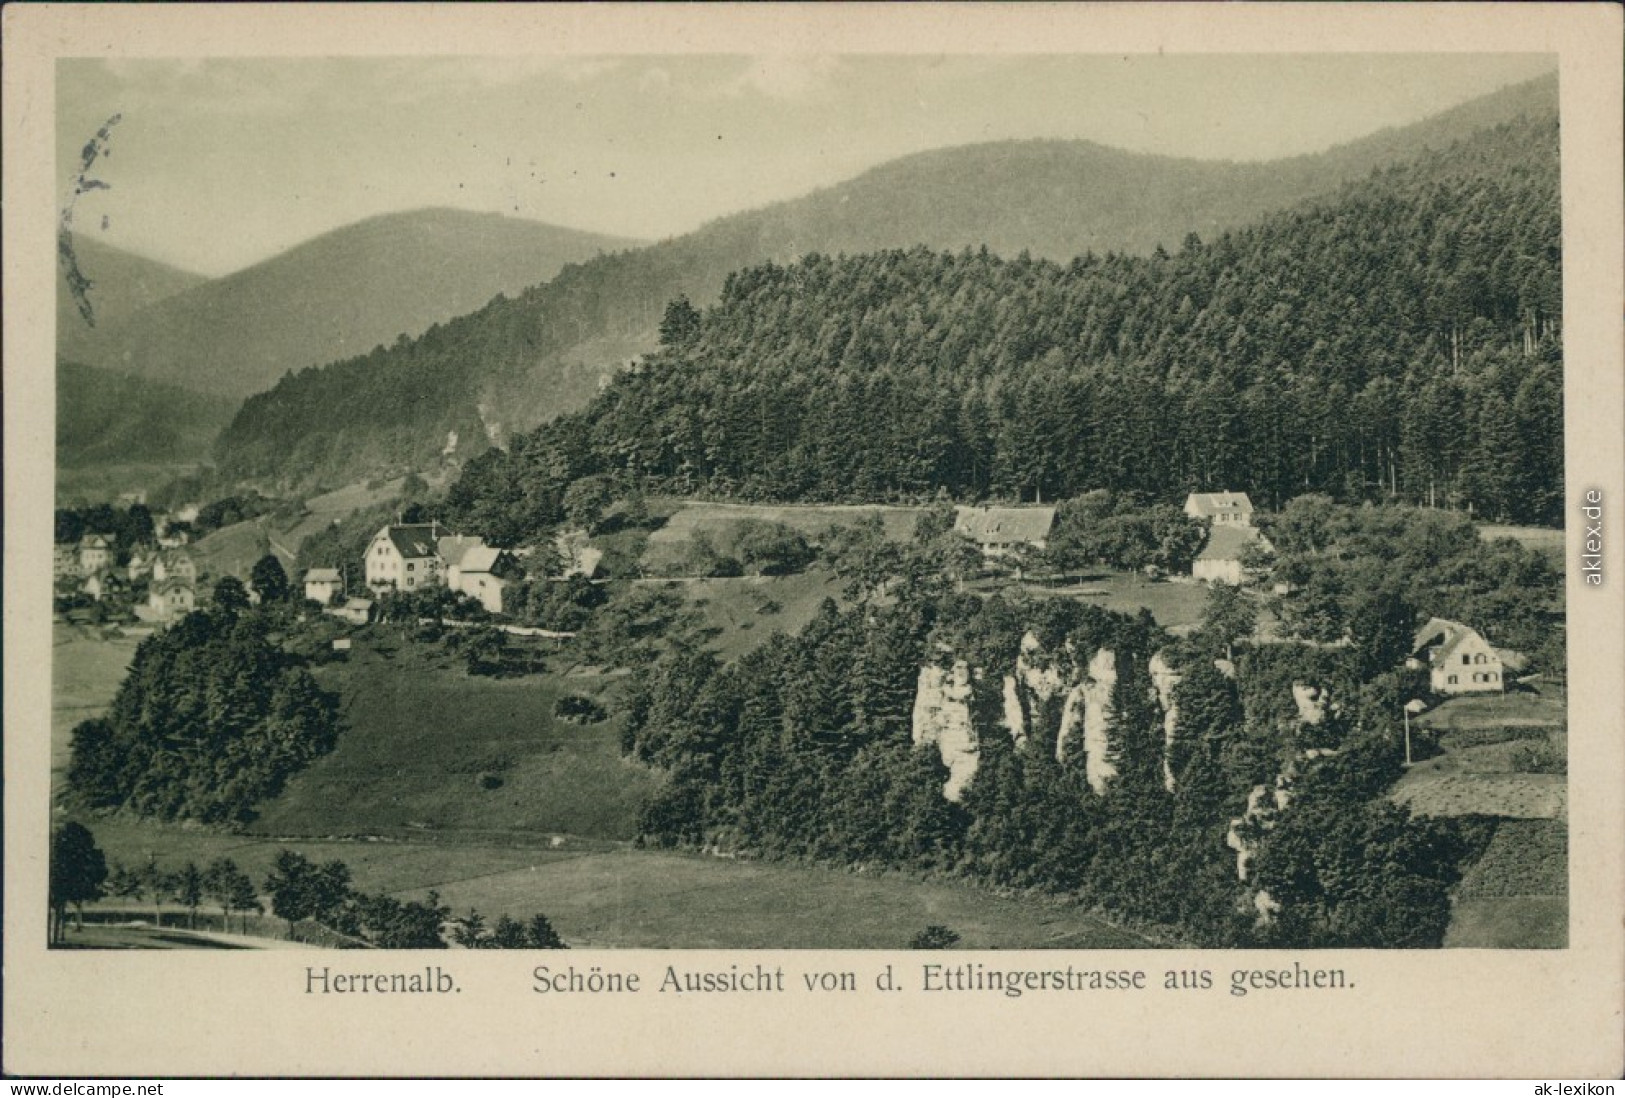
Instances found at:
x=1458 y=658
x=323 y=585
x=405 y=556
x=1220 y=560
x=1220 y=508
x=481 y=571
x=1000 y=530
x=95 y=553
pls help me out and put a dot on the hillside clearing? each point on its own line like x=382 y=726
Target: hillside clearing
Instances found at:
x=428 y=748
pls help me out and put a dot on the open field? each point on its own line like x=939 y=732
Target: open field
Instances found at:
x=85 y=674
x=604 y=896
x=650 y=899
x=1174 y=603
x=1519 y=922
x=1516 y=895
x=429 y=748
x=232 y=550
x=1543 y=538
x=669 y=544
x=747 y=610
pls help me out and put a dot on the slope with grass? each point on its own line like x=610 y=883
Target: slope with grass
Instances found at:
x=429 y=750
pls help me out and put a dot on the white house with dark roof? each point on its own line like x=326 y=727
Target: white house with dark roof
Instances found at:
x=405 y=556
x=1220 y=508
x=998 y=530
x=1458 y=658
x=323 y=585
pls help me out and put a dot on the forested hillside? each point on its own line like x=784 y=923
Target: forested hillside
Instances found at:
x=548 y=350
x=1399 y=341
x=107 y=416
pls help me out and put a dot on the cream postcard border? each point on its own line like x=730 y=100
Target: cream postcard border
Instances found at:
x=1456 y=1013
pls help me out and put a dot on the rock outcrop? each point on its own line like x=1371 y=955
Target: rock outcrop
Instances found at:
x=942 y=717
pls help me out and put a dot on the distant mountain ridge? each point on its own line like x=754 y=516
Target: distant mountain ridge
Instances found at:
x=121 y=283
x=333 y=297
x=548 y=350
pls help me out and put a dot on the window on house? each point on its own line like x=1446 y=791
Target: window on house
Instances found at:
x=409 y=567
x=1479 y=658
x=1452 y=680
x=410 y=582
x=1466 y=659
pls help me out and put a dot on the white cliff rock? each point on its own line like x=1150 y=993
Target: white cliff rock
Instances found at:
x=942 y=717
x=1165 y=678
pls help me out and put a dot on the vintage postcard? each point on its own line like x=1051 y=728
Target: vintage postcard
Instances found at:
x=902 y=540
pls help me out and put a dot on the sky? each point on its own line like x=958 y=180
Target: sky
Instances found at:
x=216 y=164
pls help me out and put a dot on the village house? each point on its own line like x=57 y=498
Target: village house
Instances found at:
x=1000 y=530
x=405 y=556
x=65 y=561
x=175 y=565
x=171 y=598
x=356 y=611
x=141 y=564
x=480 y=571
x=1220 y=508
x=1459 y=660
x=323 y=585
x=1220 y=560
x=95 y=554
x=105 y=584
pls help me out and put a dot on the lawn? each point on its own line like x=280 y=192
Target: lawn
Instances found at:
x=428 y=749
x=650 y=899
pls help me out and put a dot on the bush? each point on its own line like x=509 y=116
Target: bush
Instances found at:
x=576 y=709
x=934 y=937
x=1539 y=758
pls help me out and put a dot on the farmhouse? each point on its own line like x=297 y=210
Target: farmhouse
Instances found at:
x=95 y=553
x=999 y=530
x=1220 y=560
x=405 y=556
x=1220 y=508
x=323 y=585
x=1459 y=659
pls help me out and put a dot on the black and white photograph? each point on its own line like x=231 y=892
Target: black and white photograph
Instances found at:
x=1102 y=505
